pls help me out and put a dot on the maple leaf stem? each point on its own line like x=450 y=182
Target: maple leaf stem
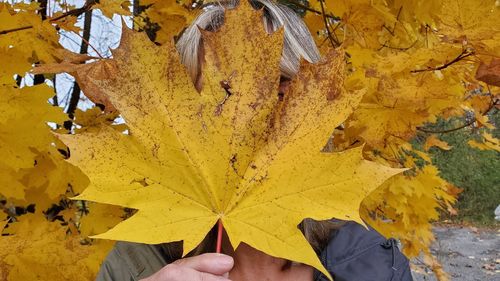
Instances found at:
x=219 y=236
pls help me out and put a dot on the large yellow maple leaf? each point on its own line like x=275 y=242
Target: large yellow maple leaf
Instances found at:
x=236 y=152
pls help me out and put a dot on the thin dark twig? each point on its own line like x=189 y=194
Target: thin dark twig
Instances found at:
x=467 y=124
x=398 y=48
x=447 y=131
x=325 y=20
x=74 y=12
x=307 y=8
x=392 y=32
x=465 y=53
x=489 y=90
x=15 y=29
x=388 y=30
x=84 y=40
x=334 y=29
x=426 y=35
x=322 y=42
x=397 y=18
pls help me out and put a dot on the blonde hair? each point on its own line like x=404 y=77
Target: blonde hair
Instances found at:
x=298 y=42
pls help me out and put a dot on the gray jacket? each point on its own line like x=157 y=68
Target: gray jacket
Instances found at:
x=353 y=254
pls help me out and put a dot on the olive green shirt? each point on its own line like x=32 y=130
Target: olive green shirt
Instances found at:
x=131 y=262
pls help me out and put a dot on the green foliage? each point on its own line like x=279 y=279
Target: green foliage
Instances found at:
x=475 y=171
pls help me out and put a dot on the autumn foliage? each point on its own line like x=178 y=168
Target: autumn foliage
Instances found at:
x=340 y=137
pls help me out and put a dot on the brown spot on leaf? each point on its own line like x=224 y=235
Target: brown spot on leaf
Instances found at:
x=332 y=94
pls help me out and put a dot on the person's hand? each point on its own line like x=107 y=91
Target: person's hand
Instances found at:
x=206 y=267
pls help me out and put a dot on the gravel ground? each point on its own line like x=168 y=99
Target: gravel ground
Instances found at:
x=466 y=253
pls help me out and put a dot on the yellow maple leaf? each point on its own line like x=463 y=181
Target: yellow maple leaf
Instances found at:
x=434 y=141
x=361 y=20
x=245 y=158
x=23 y=113
x=37 y=43
x=469 y=20
x=484 y=121
x=421 y=11
x=53 y=175
x=436 y=267
x=67 y=23
x=423 y=155
x=10 y=187
x=101 y=218
x=489 y=143
x=170 y=15
x=11 y=64
x=316 y=25
x=409 y=201
x=112 y=7
x=25 y=104
x=41 y=250
x=93 y=118
x=478 y=103
x=397 y=101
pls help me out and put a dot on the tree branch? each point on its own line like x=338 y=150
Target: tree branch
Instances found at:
x=467 y=124
x=460 y=57
x=40 y=78
x=75 y=93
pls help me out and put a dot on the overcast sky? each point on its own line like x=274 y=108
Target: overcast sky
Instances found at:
x=104 y=35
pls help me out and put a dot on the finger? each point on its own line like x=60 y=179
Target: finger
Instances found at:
x=202 y=276
x=174 y=272
x=213 y=263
